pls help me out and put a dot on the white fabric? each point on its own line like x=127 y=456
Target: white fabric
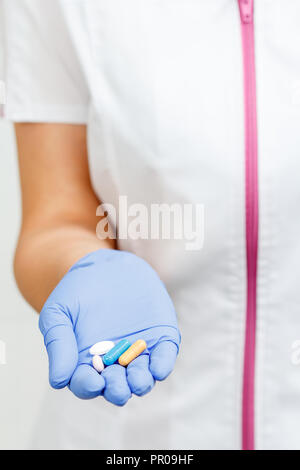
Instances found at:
x=45 y=80
x=1 y=41
x=159 y=84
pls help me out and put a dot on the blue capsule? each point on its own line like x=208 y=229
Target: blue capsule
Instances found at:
x=113 y=355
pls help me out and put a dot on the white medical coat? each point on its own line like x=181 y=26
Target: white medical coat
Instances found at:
x=159 y=84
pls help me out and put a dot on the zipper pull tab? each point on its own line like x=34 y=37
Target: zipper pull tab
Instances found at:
x=246 y=10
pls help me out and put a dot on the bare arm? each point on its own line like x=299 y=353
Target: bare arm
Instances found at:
x=58 y=205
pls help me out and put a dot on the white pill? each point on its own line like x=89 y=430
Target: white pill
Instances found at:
x=101 y=348
x=98 y=363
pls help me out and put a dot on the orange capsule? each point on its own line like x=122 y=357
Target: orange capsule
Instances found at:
x=134 y=351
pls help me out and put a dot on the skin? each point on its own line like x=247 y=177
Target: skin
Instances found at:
x=58 y=207
x=58 y=228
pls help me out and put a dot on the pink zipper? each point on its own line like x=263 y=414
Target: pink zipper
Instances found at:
x=251 y=200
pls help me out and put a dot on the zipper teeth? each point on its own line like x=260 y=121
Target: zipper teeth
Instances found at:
x=251 y=206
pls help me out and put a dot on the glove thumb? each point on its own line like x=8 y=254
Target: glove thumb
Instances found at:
x=61 y=345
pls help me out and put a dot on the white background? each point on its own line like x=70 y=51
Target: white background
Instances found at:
x=24 y=377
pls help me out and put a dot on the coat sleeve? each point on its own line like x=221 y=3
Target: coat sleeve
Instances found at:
x=43 y=78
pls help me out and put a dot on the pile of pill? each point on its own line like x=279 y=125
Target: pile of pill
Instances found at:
x=106 y=353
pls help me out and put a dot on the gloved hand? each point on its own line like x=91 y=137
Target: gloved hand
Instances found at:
x=109 y=295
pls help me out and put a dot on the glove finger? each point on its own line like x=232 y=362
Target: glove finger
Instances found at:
x=116 y=389
x=162 y=359
x=86 y=382
x=139 y=377
x=62 y=352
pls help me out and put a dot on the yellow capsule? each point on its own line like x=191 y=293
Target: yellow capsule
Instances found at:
x=134 y=351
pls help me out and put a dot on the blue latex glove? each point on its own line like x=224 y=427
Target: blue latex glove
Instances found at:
x=109 y=295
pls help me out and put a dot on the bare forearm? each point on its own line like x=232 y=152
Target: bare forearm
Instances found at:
x=44 y=256
x=58 y=206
